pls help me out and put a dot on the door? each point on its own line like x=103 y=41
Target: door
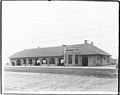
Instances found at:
x=84 y=61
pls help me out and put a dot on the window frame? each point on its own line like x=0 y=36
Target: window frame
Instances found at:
x=70 y=59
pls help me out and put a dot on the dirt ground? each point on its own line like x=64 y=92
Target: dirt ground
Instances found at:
x=23 y=81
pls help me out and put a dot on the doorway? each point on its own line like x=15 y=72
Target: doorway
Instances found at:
x=84 y=61
x=52 y=61
x=60 y=62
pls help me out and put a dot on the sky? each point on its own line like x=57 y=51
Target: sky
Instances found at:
x=29 y=24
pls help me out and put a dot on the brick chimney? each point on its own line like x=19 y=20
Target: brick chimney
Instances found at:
x=92 y=43
x=85 y=41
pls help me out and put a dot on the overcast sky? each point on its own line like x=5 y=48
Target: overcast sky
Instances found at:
x=29 y=24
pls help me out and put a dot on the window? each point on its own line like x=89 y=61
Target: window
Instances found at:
x=76 y=59
x=70 y=59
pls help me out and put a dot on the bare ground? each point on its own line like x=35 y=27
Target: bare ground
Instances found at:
x=23 y=81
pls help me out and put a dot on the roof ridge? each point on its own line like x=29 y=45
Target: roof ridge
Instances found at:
x=43 y=47
x=54 y=46
x=74 y=44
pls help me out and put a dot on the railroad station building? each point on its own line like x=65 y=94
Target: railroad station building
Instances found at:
x=86 y=54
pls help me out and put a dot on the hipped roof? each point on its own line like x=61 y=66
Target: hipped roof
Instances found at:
x=84 y=49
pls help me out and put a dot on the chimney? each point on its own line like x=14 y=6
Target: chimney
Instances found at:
x=85 y=41
x=92 y=43
x=64 y=45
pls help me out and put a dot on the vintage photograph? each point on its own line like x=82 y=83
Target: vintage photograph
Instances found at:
x=60 y=47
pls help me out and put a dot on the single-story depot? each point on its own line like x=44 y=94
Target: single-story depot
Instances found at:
x=85 y=54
